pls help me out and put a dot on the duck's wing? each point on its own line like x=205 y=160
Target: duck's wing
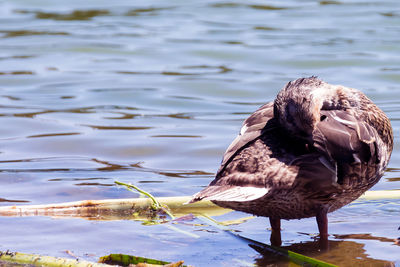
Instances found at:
x=344 y=138
x=261 y=159
x=240 y=186
x=251 y=129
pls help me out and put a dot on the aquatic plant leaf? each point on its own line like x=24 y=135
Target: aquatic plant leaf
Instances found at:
x=126 y=260
x=155 y=205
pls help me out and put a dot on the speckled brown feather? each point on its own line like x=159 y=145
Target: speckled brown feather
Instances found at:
x=316 y=147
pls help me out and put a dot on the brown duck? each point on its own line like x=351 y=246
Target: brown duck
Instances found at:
x=316 y=148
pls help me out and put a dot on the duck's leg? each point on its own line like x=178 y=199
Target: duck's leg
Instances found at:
x=322 y=221
x=276 y=231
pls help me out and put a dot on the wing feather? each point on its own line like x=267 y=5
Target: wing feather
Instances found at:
x=251 y=129
x=230 y=193
x=344 y=138
x=241 y=186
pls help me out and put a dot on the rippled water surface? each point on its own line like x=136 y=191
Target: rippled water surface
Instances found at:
x=152 y=93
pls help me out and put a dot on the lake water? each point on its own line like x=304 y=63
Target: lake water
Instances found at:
x=153 y=92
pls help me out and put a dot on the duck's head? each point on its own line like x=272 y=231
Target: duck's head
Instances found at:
x=298 y=105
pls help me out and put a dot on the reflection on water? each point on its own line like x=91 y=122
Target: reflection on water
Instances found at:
x=153 y=92
x=13 y=200
x=22 y=33
x=343 y=253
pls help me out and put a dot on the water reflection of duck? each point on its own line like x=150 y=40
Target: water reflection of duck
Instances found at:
x=316 y=148
x=340 y=253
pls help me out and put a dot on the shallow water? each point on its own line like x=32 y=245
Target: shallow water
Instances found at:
x=152 y=93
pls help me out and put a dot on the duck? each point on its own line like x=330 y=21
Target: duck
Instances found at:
x=314 y=149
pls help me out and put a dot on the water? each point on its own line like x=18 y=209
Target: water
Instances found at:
x=152 y=93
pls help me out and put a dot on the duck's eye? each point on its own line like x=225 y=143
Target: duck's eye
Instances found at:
x=323 y=117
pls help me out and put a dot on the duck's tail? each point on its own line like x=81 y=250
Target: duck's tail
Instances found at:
x=230 y=193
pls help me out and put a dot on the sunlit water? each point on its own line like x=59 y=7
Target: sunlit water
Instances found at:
x=152 y=93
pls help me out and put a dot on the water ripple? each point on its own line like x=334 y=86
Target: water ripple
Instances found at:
x=152 y=93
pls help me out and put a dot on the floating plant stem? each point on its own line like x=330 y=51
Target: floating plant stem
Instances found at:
x=106 y=261
x=40 y=260
x=116 y=209
x=380 y=194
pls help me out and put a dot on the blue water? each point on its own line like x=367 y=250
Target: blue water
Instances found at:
x=152 y=93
